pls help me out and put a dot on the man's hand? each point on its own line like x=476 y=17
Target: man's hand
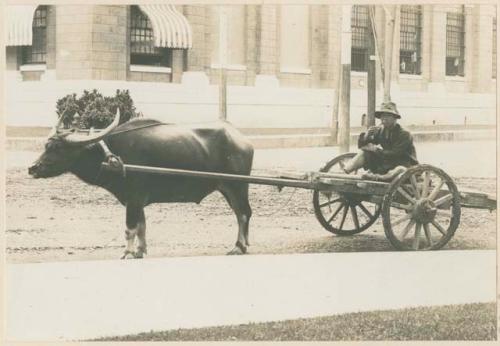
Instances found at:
x=372 y=130
x=371 y=147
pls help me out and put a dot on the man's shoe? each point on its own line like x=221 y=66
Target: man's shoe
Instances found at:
x=342 y=167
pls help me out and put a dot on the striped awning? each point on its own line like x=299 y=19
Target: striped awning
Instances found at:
x=171 y=29
x=18 y=24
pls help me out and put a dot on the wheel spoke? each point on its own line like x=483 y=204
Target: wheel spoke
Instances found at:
x=366 y=211
x=344 y=214
x=407 y=229
x=406 y=195
x=335 y=213
x=408 y=188
x=401 y=206
x=428 y=234
x=436 y=190
x=329 y=202
x=438 y=227
x=445 y=213
x=416 y=240
x=415 y=186
x=401 y=219
x=443 y=199
x=355 y=216
x=425 y=187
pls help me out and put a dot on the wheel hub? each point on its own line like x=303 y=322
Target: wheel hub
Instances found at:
x=424 y=211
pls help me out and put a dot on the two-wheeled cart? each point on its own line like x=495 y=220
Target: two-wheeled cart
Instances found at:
x=420 y=208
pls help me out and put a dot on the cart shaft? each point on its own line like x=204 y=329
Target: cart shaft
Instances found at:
x=369 y=190
x=305 y=184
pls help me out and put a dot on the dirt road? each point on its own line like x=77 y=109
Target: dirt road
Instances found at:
x=63 y=219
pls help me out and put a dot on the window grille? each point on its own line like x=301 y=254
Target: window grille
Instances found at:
x=455 y=43
x=494 y=50
x=142 y=48
x=410 y=39
x=37 y=52
x=360 y=40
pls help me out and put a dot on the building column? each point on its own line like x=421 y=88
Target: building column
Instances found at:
x=437 y=58
x=317 y=43
x=482 y=48
x=198 y=58
x=251 y=34
x=51 y=37
x=396 y=44
x=334 y=16
x=109 y=42
x=74 y=41
x=380 y=46
x=396 y=14
x=267 y=45
x=469 y=45
x=427 y=17
x=177 y=65
x=91 y=42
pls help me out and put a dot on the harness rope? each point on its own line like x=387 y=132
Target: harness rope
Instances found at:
x=137 y=128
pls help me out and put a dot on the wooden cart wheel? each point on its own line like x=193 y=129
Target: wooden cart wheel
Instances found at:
x=342 y=213
x=421 y=210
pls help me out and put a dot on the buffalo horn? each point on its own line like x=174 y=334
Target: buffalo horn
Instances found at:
x=56 y=128
x=75 y=138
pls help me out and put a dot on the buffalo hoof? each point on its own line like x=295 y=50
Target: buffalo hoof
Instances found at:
x=237 y=251
x=130 y=255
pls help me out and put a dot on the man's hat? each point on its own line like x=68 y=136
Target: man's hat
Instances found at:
x=388 y=108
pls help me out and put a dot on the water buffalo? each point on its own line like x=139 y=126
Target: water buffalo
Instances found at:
x=214 y=147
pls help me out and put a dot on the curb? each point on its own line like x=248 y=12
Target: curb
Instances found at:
x=295 y=140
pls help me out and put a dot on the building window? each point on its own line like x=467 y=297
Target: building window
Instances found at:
x=410 y=39
x=142 y=48
x=37 y=52
x=294 y=39
x=455 y=43
x=494 y=50
x=360 y=42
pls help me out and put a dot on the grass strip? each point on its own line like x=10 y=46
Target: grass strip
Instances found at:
x=451 y=322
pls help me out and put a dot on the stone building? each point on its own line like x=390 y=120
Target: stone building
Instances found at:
x=283 y=61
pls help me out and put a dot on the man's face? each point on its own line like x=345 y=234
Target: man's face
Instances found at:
x=388 y=120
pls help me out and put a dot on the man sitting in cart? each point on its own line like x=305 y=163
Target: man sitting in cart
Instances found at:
x=385 y=151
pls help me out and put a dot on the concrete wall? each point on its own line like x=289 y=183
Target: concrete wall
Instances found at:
x=194 y=99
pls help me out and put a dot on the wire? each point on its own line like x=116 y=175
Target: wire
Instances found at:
x=283 y=206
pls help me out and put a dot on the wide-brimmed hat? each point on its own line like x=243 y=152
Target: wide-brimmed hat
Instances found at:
x=388 y=108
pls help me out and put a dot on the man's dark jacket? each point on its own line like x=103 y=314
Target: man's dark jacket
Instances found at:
x=397 y=149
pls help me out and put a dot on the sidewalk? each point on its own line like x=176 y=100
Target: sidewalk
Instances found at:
x=458 y=159
x=26 y=138
x=85 y=300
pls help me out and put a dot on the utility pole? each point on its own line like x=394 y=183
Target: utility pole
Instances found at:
x=222 y=63
x=336 y=106
x=371 y=73
x=345 y=96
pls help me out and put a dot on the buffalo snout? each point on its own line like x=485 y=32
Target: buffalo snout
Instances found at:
x=34 y=170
